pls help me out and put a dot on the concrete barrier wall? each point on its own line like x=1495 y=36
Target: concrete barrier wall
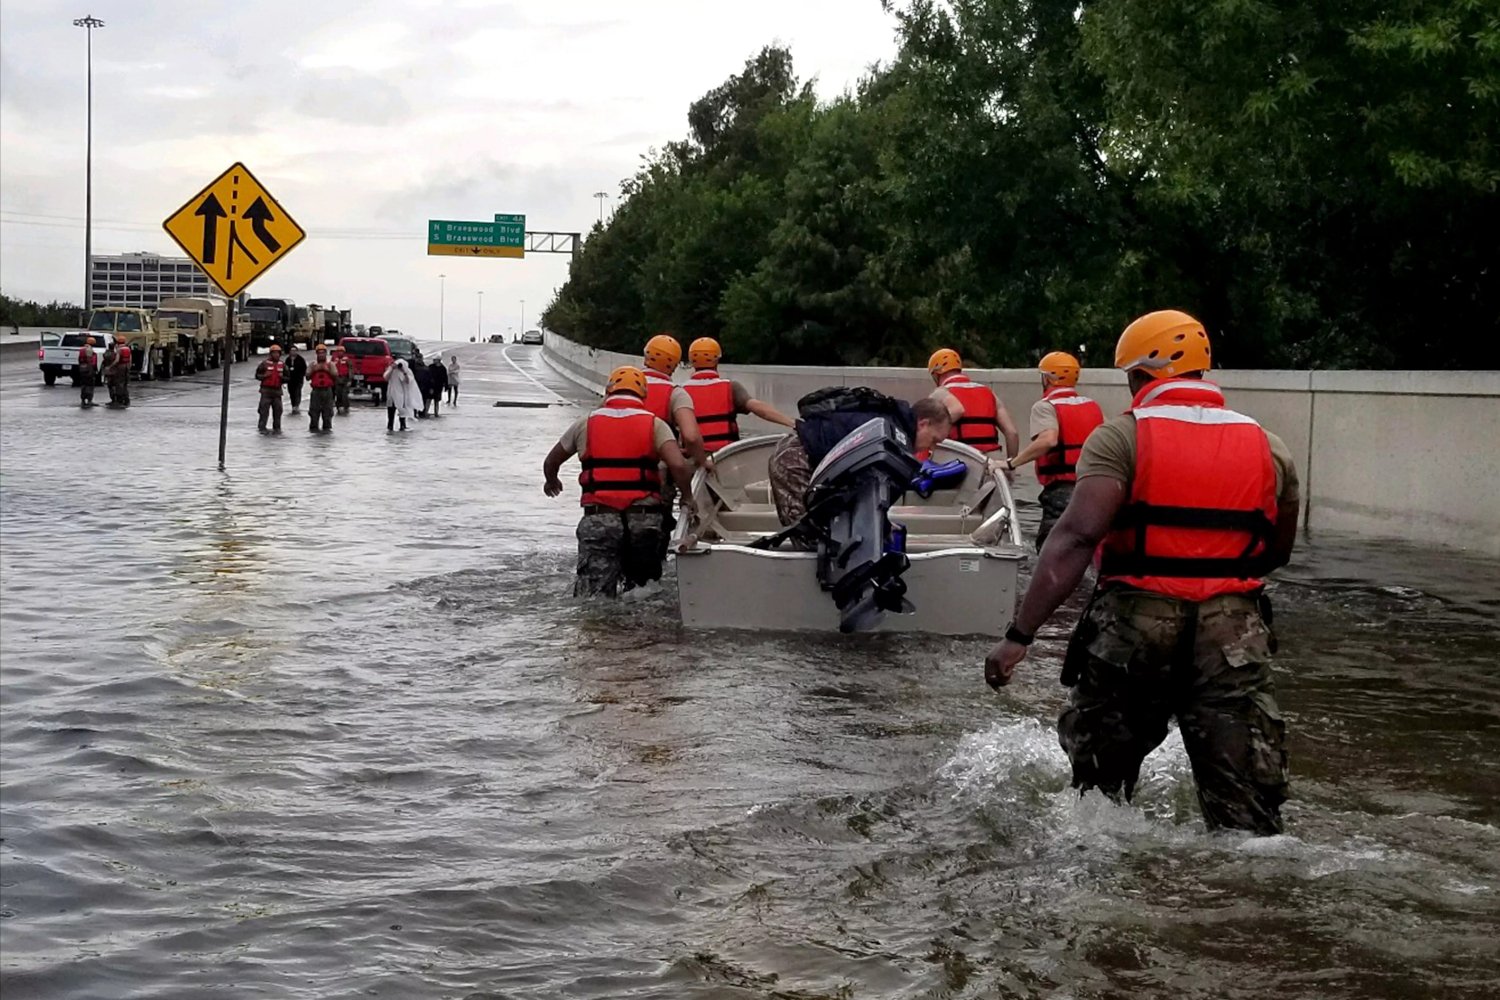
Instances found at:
x=1413 y=455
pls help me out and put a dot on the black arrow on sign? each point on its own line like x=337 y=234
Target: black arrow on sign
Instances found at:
x=212 y=212
x=259 y=215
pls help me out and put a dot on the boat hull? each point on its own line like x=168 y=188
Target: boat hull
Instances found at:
x=957 y=591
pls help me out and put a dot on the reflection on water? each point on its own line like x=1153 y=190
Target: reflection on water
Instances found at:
x=333 y=726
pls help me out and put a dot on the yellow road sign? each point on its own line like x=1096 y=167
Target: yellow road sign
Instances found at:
x=472 y=250
x=234 y=229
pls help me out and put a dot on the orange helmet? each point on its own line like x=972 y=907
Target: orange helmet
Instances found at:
x=663 y=353
x=90 y=341
x=1163 y=344
x=944 y=362
x=626 y=379
x=275 y=348
x=705 y=353
x=1060 y=368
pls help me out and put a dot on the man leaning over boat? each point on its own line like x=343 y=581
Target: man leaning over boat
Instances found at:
x=622 y=447
x=827 y=416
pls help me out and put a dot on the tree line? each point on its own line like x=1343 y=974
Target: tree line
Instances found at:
x=25 y=312
x=1318 y=181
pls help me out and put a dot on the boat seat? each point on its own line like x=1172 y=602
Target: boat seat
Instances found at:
x=756 y=519
x=762 y=519
x=758 y=491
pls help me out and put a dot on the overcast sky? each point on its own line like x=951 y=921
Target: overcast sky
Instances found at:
x=367 y=119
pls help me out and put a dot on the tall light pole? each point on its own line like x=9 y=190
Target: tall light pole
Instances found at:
x=89 y=23
x=479 y=322
x=601 y=195
x=523 y=317
x=442 y=302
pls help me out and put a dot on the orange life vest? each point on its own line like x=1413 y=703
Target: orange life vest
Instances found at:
x=272 y=379
x=122 y=356
x=620 y=465
x=1202 y=507
x=320 y=377
x=713 y=405
x=979 y=427
x=342 y=366
x=87 y=358
x=659 y=394
x=1077 y=416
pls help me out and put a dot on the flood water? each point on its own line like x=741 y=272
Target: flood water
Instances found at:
x=330 y=725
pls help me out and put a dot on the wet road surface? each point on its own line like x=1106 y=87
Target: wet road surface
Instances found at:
x=329 y=725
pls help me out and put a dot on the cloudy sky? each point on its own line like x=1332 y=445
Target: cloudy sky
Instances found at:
x=367 y=119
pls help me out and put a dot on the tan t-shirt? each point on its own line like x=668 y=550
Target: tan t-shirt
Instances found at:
x=1043 y=418
x=575 y=438
x=955 y=408
x=1110 y=451
x=680 y=400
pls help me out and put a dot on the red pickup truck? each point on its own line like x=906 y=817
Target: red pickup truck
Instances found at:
x=369 y=357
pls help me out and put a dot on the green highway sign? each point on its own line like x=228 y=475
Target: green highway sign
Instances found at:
x=511 y=229
x=445 y=233
x=504 y=237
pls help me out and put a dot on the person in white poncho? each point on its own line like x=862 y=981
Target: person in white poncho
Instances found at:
x=403 y=397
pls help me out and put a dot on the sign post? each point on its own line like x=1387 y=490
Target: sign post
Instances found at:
x=234 y=230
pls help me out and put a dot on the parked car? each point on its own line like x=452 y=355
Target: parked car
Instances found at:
x=59 y=353
x=403 y=347
x=531 y=337
x=369 y=357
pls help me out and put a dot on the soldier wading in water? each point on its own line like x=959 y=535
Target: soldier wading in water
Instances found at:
x=622 y=447
x=1194 y=503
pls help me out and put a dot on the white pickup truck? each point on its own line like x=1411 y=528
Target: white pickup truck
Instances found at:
x=59 y=354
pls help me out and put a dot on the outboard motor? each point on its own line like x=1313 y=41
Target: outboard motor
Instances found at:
x=861 y=555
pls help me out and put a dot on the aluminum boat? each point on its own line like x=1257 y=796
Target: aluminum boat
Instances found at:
x=962 y=546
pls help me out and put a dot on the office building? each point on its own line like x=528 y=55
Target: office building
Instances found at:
x=144 y=279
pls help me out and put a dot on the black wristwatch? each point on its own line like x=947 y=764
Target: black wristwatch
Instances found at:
x=1015 y=635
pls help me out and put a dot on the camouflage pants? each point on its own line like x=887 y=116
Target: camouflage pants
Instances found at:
x=341 y=393
x=790 y=474
x=1138 y=659
x=619 y=551
x=1054 y=500
x=270 y=406
x=119 y=390
x=320 y=409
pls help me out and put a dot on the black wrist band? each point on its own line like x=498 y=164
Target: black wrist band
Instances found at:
x=1018 y=637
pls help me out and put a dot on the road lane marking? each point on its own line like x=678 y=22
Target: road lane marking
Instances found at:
x=529 y=377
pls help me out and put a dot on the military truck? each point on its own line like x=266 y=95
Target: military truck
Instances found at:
x=200 y=332
x=153 y=346
x=271 y=321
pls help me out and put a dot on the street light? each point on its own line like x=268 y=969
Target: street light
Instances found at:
x=601 y=195
x=523 y=317
x=442 y=302
x=479 y=322
x=89 y=23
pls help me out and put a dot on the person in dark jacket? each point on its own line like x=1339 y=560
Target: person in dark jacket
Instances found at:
x=296 y=374
x=423 y=377
x=437 y=385
x=826 y=417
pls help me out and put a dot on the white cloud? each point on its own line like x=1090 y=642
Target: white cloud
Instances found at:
x=366 y=119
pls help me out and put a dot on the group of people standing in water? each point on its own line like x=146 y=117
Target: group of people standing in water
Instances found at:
x=1181 y=504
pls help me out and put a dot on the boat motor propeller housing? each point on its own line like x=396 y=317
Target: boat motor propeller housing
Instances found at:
x=861 y=555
